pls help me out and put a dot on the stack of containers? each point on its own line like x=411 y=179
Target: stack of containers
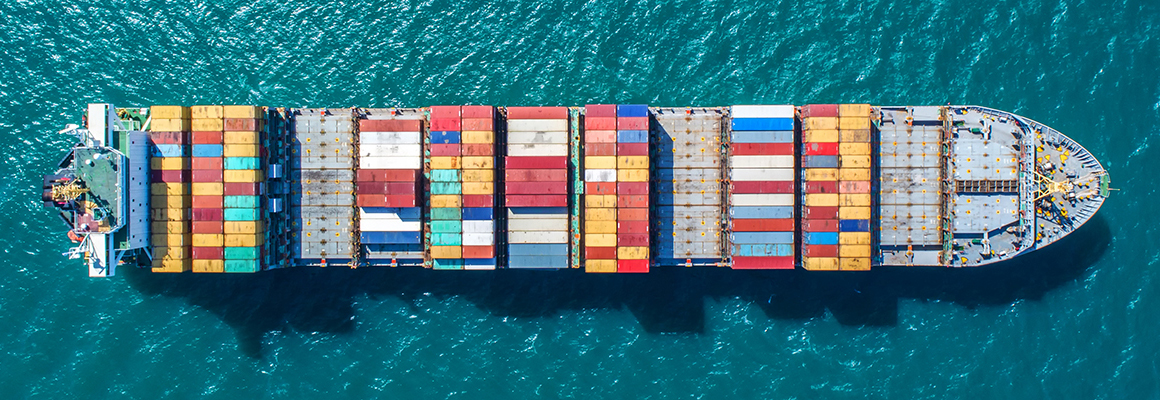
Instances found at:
x=820 y=173
x=762 y=202
x=390 y=163
x=689 y=202
x=854 y=198
x=632 y=188
x=169 y=197
x=242 y=153
x=478 y=163
x=600 y=215
x=208 y=189
x=322 y=186
x=536 y=187
x=446 y=240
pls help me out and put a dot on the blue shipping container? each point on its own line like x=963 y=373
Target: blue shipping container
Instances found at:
x=820 y=161
x=389 y=237
x=763 y=237
x=538 y=262
x=446 y=226
x=538 y=249
x=763 y=124
x=632 y=110
x=404 y=213
x=822 y=238
x=446 y=263
x=770 y=212
x=446 y=239
x=240 y=201
x=763 y=136
x=169 y=150
x=242 y=253
x=632 y=136
x=854 y=225
x=240 y=163
x=444 y=137
x=207 y=150
x=478 y=214
x=241 y=214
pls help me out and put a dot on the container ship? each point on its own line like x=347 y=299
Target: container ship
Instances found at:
x=600 y=188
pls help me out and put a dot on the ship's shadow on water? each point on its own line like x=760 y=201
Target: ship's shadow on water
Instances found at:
x=668 y=300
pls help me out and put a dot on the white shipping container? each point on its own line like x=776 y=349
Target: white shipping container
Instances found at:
x=479 y=267
x=537 y=212
x=558 y=137
x=382 y=225
x=539 y=225
x=600 y=175
x=521 y=237
x=537 y=125
x=366 y=138
x=478 y=239
x=537 y=150
x=763 y=174
x=762 y=161
x=389 y=214
x=390 y=150
x=777 y=111
x=479 y=226
x=772 y=199
x=390 y=162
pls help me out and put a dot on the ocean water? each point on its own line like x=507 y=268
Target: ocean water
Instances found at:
x=1078 y=320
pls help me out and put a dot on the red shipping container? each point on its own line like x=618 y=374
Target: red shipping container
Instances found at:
x=763 y=225
x=445 y=150
x=477 y=149
x=207 y=214
x=631 y=227
x=820 y=225
x=601 y=188
x=445 y=112
x=207 y=163
x=206 y=137
x=600 y=110
x=478 y=124
x=208 y=202
x=632 y=188
x=389 y=125
x=370 y=200
x=541 y=200
x=592 y=136
x=478 y=200
x=599 y=149
x=209 y=253
x=560 y=162
x=243 y=124
x=821 y=187
x=478 y=251
x=399 y=200
x=762 y=149
x=536 y=175
x=387 y=175
x=820 y=212
x=371 y=188
x=820 y=149
x=207 y=175
x=820 y=250
x=477 y=112
x=632 y=214
x=445 y=124
x=599 y=253
x=632 y=240
x=631 y=201
x=537 y=112
x=763 y=263
x=536 y=187
x=399 y=188
x=243 y=189
x=632 y=123
x=178 y=176
x=600 y=123
x=754 y=187
x=169 y=137
x=819 y=110
x=854 y=187
x=207 y=227
x=632 y=149
x=632 y=266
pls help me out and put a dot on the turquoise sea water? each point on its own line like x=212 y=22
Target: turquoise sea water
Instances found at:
x=1076 y=321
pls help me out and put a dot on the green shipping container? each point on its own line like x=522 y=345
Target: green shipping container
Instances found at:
x=446 y=226
x=240 y=163
x=241 y=201
x=241 y=214
x=446 y=239
x=445 y=175
x=446 y=188
x=242 y=253
x=445 y=214
x=242 y=266
x=447 y=263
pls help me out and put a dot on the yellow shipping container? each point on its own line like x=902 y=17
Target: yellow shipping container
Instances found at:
x=600 y=162
x=478 y=137
x=478 y=162
x=600 y=201
x=172 y=266
x=821 y=199
x=207 y=112
x=208 y=240
x=240 y=137
x=443 y=162
x=632 y=253
x=168 y=214
x=446 y=201
x=823 y=123
x=207 y=125
x=853 y=110
x=845 y=238
x=820 y=136
x=209 y=266
x=206 y=188
x=170 y=239
x=479 y=175
x=632 y=175
x=478 y=188
x=854 y=213
x=854 y=136
x=593 y=226
x=821 y=174
x=169 y=201
x=600 y=240
x=244 y=240
x=169 y=125
x=820 y=263
x=632 y=162
x=845 y=123
x=247 y=112
x=854 y=174
x=242 y=175
x=855 y=264
x=854 y=250
x=244 y=227
x=168 y=163
x=853 y=161
x=446 y=252
x=854 y=200
x=600 y=214
x=169 y=112
x=169 y=188
x=169 y=227
x=600 y=266
x=170 y=253
x=854 y=149
x=240 y=150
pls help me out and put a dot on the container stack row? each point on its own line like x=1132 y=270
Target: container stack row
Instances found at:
x=836 y=165
x=462 y=148
x=616 y=188
x=854 y=196
x=242 y=151
x=322 y=186
x=536 y=187
x=169 y=198
x=689 y=184
x=390 y=163
x=761 y=167
x=478 y=164
x=208 y=188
